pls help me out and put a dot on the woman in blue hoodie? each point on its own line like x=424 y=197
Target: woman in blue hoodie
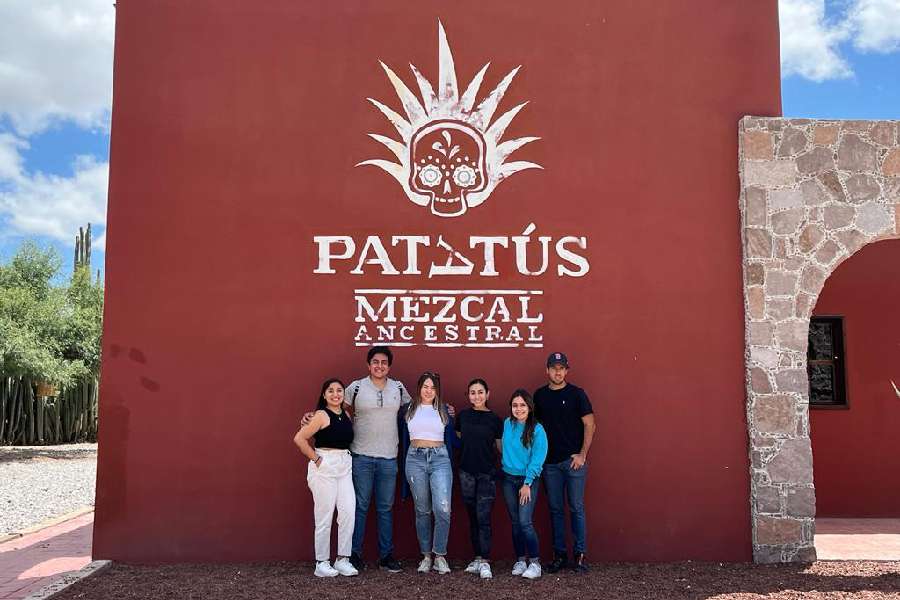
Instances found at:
x=524 y=451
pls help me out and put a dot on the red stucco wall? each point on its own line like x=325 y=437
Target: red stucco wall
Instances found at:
x=855 y=458
x=236 y=128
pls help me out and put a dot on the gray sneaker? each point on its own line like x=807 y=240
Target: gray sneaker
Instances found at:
x=533 y=571
x=484 y=570
x=424 y=565
x=519 y=567
x=440 y=565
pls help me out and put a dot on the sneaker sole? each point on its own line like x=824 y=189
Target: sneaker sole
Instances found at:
x=389 y=570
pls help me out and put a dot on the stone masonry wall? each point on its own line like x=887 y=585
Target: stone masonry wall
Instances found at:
x=812 y=194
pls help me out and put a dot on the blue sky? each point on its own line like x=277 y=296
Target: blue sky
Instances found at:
x=840 y=60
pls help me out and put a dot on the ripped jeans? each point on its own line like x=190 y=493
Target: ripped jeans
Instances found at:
x=430 y=481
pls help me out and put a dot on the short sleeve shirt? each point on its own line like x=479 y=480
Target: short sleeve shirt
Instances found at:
x=479 y=431
x=560 y=412
x=375 y=416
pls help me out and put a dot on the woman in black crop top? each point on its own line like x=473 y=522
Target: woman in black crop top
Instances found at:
x=329 y=477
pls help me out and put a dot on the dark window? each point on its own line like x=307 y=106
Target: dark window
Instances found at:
x=825 y=362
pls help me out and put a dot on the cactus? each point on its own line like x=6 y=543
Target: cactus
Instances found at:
x=82 y=248
x=29 y=419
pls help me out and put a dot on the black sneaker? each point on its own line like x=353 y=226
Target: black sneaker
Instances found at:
x=357 y=562
x=391 y=564
x=581 y=564
x=560 y=561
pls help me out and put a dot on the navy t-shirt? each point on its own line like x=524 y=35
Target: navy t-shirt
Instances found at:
x=480 y=429
x=560 y=412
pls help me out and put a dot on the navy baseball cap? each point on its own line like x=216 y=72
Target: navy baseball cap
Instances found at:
x=557 y=358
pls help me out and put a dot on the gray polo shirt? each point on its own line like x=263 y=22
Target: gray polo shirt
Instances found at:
x=375 y=419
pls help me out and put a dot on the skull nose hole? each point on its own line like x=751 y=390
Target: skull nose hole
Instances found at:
x=446 y=186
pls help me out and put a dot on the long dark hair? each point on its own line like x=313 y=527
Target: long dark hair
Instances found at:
x=322 y=404
x=417 y=399
x=478 y=381
x=530 y=421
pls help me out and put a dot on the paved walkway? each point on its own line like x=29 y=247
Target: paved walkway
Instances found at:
x=858 y=539
x=32 y=561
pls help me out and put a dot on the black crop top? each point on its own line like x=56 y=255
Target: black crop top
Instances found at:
x=338 y=434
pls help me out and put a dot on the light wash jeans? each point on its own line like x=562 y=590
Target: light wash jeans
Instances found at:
x=430 y=481
x=332 y=487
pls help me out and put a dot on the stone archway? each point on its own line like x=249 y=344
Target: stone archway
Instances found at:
x=812 y=194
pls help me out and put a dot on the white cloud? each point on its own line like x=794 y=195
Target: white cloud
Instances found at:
x=50 y=205
x=56 y=62
x=876 y=25
x=810 y=45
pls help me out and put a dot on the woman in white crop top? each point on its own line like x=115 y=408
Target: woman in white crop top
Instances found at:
x=428 y=471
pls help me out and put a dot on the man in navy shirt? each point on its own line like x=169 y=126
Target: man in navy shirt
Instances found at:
x=568 y=418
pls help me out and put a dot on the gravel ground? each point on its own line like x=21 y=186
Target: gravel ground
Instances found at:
x=38 y=483
x=295 y=581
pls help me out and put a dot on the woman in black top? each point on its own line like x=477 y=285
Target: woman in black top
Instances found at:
x=329 y=477
x=480 y=431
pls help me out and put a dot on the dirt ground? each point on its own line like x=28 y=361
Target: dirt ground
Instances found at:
x=295 y=581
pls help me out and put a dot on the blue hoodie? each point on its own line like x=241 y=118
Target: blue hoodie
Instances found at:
x=519 y=460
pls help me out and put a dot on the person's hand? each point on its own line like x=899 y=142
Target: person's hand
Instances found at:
x=578 y=461
x=306 y=419
x=451 y=410
x=317 y=462
x=524 y=494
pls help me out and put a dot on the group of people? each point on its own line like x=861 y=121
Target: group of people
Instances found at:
x=354 y=459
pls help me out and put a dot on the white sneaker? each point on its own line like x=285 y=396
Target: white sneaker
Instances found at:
x=440 y=565
x=324 y=569
x=533 y=571
x=474 y=566
x=484 y=570
x=425 y=565
x=343 y=566
x=519 y=567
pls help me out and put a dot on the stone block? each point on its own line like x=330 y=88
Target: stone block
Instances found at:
x=777 y=530
x=793 y=141
x=817 y=160
x=891 y=165
x=883 y=133
x=793 y=462
x=825 y=135
x=767 y=555
x=801 y=502
x=811 y=281
x=779 y=309
x=761 y=333
x=805 y=555
x=781 y=283
x=775 y=414
x=759 y=381
x=831 y=183
x=794 y=263
x=756 y=302
x=838 y=216
x=765 y=356
x=857 y=125
x=862 y=187
x=813 y=194
x=759 y=243
x=756 y=274
x=770 y=173
x=755 y=207
x=768 y=499
x=787 y=222
x=855 y=154
x=782 y=199
x=828 y=252
x=810 y=237
x=873 y=218
x=792 y=381
x=803 y=306
x=758 y=145
x=852 y=240
x=792 y=335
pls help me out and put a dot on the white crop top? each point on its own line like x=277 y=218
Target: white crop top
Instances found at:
x=426 y=424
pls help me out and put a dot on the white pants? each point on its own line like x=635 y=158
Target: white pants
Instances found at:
x=331 y=484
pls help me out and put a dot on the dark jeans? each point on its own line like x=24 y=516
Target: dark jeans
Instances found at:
x=525 y=539
x=478 y=494
x=561 y=480
x=378 y=474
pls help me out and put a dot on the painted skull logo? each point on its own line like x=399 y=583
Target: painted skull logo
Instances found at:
x=448 y=164
x=450 y=156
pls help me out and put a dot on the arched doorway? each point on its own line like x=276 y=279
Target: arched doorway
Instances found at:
x=812 y=194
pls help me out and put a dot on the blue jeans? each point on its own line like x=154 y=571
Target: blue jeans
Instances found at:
x=430 y=481
x=379 y=474
x=525 y=539
x=560 y=479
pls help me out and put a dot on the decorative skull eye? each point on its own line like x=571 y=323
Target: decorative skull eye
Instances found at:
x=430 y=176
x=464 y=176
